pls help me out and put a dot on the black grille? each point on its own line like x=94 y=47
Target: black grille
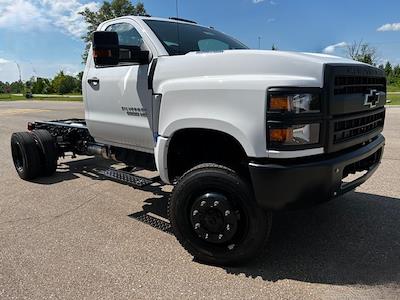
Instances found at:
x=358 y=84
x=356 y=96
x=352 y=128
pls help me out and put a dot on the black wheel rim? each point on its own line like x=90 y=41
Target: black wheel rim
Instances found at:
x=217 y=221
x=18 y=157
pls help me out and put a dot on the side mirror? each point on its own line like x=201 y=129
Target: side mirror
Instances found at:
x=108 y=52
x=105 y=48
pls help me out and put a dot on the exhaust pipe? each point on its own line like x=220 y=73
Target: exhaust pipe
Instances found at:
x=100 y=150
x=97 y=149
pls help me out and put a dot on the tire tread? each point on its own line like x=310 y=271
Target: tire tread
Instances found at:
x=30 y=153
x=229 y=260
x=48 y=151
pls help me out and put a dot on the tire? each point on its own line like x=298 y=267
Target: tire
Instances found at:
x=26 y=155
x=215 y=217
x=48 y=151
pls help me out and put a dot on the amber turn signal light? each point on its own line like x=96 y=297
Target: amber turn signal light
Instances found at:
x=102 y=53
x=279 y=103
x=280 y=134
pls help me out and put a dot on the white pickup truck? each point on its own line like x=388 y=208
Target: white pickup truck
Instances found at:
x=240 y=133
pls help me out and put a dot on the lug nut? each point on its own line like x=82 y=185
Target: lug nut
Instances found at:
x=220 y=236
x=203 y=203
x=195 y=212
x=227 y=213
x=197 y=226
x=206 y=237
x=216 y=203
x=228 y=227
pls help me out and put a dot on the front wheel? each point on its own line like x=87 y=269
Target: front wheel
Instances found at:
x=215 y=216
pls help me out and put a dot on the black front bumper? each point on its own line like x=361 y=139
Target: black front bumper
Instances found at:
x=282 y=186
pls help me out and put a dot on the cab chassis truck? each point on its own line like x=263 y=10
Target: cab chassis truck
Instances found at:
x=240 y=133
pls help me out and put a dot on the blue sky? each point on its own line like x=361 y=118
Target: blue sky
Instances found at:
x=42 y=36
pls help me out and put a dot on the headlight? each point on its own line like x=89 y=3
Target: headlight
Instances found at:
x=294 y=103
x=305 y=134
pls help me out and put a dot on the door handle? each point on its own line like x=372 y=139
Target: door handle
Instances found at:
x=94 y=82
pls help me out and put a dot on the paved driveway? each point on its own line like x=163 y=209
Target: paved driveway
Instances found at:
x=77 y=235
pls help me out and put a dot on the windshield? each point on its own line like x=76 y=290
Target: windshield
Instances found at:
x=181 y=38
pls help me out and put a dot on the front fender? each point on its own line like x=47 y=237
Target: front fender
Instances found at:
x=233 y=104
x=212 y=124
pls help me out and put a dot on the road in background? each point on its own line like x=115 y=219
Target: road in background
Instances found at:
x=78 y=235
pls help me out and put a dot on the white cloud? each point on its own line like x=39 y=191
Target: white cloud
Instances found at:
x=270 y=20
x=4 y=61
x=45 y=14
x=272 y=2
x=65 y=15
x=390 y=27
x=9 y=71
x=332 y=48
x=69 y=69
x=20 y=14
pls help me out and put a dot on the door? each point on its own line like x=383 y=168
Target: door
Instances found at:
x=118 y=101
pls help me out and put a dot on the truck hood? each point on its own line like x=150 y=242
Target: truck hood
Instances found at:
x=307 y=66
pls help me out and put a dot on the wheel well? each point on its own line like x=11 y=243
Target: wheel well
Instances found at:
x=191 y=147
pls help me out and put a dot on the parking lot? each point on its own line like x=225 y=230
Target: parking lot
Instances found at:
x=78 y=235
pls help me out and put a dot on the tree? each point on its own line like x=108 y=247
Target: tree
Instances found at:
x=108 y=10
x=16 y=87
x=362 y=52
x=40 y=85
x=388 y=69
x=64 y=84
x=79 y=76
x=78 y=83
x=396 y=71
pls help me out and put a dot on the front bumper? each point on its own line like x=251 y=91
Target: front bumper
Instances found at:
x=281 y=186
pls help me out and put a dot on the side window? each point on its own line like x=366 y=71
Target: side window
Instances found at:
x=208 y=45
x=127 y=34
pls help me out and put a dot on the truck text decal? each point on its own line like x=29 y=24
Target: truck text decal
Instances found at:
x=134 y=111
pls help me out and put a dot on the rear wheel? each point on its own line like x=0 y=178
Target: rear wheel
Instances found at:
x=26 y=155
x=215 y=217
x=48 y=151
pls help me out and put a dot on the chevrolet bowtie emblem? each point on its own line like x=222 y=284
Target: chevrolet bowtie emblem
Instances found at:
x=372 y=99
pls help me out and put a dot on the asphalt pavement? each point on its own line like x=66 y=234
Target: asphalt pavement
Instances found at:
x=78 y=235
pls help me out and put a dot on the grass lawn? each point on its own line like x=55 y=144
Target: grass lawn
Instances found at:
x=13 y=97
x=9 y=97
x=393 y=88
x=395 y=99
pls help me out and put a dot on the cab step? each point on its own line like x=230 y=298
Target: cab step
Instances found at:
x=125 y=177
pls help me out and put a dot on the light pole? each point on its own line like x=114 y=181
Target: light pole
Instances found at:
x=259 y=42
x=19 y=71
